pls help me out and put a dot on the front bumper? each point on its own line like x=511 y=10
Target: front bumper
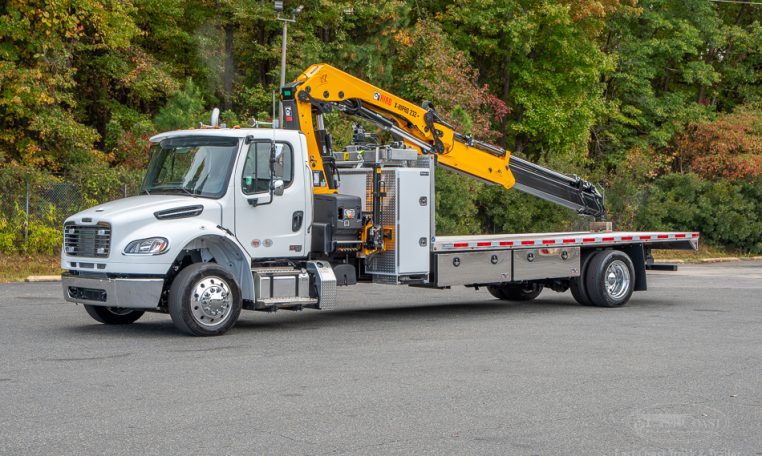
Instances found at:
x=131 y=293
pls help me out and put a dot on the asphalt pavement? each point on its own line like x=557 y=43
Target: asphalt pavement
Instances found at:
x=395 y=370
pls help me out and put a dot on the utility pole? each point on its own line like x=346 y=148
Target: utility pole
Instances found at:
x=279 y=9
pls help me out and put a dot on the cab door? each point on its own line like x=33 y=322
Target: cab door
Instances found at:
x=267 y=224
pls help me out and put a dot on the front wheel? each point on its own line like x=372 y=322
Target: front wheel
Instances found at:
x=515 y=291
x=204 y=300
x=113 y=315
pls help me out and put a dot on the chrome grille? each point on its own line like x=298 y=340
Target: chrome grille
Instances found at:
x=91 y=241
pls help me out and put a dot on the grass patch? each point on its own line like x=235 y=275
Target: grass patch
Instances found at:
x=16 y=267
x=705 y=251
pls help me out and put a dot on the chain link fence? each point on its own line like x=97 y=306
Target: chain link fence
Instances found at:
x=35 y=205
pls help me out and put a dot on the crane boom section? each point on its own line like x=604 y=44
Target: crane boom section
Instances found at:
x=322 y=87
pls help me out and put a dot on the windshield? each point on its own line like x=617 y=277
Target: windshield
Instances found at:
x=191 y=165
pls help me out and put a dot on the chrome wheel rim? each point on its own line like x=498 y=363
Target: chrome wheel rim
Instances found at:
x=617 y=279
x=211 y=301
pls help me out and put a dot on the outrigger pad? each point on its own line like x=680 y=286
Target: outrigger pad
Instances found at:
x=346 y=274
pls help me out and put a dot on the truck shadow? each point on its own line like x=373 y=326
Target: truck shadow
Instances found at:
x=159 y=326
x=345 y=316
x=356 y=317
x=366 y=316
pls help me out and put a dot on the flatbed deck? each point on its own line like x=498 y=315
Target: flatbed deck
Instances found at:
x=676 y=240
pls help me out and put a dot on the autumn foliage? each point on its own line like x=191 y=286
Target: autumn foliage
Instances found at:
x=445 y=77
x=729 y=147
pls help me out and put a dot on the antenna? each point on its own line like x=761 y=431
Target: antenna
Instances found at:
x=275 y=122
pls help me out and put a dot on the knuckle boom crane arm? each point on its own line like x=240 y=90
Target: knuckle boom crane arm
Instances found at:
x=322 y=88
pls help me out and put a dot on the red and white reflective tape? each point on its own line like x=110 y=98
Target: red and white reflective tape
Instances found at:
x=601 y=239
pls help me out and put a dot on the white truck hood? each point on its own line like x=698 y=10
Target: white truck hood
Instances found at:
x=135 y=218
x=143 y=207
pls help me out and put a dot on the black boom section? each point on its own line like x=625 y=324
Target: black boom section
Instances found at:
x=568 y=191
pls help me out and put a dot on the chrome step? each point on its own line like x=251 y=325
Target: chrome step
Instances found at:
x=286 y=302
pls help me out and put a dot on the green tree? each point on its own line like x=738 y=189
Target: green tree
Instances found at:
x=183 y=109
x=678 y=62
x=542 y=63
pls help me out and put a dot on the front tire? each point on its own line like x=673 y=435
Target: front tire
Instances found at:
x=204 y=300
x=609 y=279
x=515 y=291
x=113 y=315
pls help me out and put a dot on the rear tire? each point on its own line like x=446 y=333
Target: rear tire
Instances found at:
x=516 y=291
x=610 y=279
x=204 y=300
x=113 y=315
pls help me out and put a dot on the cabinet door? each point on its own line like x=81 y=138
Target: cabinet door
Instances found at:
x=414 y=220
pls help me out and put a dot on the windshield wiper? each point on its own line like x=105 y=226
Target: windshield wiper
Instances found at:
x=189 y=191
x=172 y=189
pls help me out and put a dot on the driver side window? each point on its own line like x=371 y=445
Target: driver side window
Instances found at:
x=256 y=168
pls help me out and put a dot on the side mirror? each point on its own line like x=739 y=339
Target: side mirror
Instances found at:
x=278 y=186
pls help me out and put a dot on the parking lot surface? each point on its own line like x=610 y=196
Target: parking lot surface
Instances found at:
x=396 y=370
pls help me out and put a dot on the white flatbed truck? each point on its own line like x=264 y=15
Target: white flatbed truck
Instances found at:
x=268 y=219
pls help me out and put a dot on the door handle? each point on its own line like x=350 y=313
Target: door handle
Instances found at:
x=296 y=221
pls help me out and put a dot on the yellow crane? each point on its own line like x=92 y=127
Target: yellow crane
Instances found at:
x=322 y=88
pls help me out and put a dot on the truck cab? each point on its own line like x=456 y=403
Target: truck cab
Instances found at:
x=224 y=198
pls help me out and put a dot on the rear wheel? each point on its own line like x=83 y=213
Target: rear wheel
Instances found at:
x=113 y=315
x=516 y=291
x=204 y=300
x=609 y=279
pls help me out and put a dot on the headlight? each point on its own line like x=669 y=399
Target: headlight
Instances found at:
x=150 y=246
